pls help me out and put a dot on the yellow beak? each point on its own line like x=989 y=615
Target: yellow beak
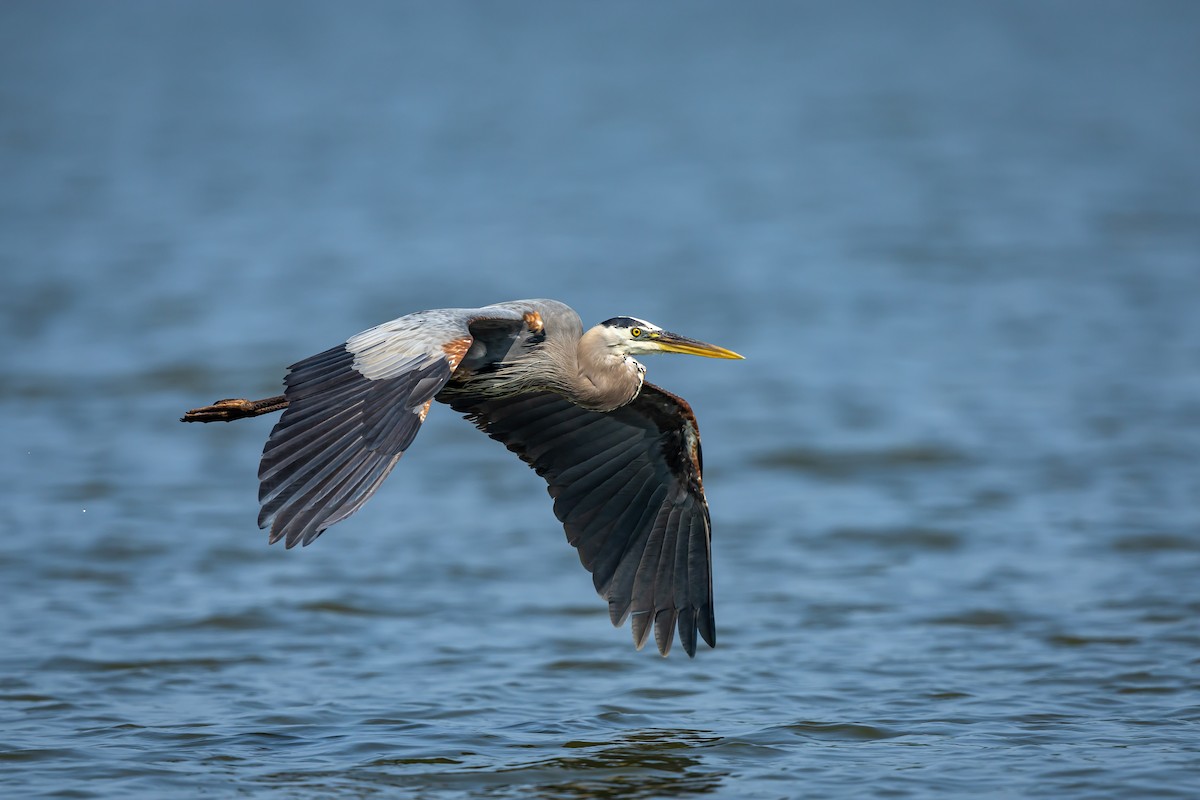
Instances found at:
x=674 y=343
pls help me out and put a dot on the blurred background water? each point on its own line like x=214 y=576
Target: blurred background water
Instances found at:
x=954 y=485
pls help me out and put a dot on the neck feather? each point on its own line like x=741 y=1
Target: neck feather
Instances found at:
x=605 y=378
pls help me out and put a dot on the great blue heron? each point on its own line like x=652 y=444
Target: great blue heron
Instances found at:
x=621 y=456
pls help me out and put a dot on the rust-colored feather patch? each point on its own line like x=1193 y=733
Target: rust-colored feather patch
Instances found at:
x=533 y=321
x=455 y=349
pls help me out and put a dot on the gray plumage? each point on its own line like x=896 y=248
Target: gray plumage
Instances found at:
x=621 y=457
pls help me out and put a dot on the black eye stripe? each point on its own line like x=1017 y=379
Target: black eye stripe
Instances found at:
x=621 y=322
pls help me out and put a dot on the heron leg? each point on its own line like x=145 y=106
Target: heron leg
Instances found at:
x=235 y=408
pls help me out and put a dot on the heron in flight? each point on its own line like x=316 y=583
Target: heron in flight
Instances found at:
x=621 y=456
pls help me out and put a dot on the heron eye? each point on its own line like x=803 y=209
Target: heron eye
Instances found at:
x=635 y=332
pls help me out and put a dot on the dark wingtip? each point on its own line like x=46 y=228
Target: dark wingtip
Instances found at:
x=639 y=624
x=707 y=625
x=618 y=610
x=687 y=631
x=664 y=630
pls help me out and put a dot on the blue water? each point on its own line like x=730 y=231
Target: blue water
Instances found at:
x=953 y=486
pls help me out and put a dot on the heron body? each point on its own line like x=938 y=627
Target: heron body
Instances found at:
x=621 y=456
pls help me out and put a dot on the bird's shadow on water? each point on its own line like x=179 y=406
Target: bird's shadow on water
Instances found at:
x=636 y=764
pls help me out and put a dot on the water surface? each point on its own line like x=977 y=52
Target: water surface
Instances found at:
x=953 y=485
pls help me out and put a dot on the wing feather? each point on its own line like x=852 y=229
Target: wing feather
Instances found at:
x=627 y=487
x=620 y=583
x=642 y=606
x=317 y=466
x=354 y=409
x=609 y=446
x=597 y=487
x=306 y=435
x=609 y=550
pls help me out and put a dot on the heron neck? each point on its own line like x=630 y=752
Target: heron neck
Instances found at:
x=605 y=378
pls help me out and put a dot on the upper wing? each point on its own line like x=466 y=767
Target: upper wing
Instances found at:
x=626 y=485
x=354 y=409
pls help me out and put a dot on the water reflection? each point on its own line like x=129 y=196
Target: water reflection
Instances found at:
x=638 y=764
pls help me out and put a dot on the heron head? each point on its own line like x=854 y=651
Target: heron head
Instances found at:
x=637 y=337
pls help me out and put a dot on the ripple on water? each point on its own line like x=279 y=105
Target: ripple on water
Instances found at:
x=1157 y=542
x=841 y=730
x=907 y=538
x=663 y=692
x=783 y=735
x=247 y=619
x=8 y=753
x=346 y=608
x=847 y=464
x=598 y=666
x=979 y=618
x=1077 y=640
x=955 y=545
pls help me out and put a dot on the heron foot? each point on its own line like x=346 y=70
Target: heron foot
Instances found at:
x=234 y=408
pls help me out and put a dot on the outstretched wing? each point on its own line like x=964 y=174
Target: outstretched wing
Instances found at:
x=627 y=487
x=354 y=409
